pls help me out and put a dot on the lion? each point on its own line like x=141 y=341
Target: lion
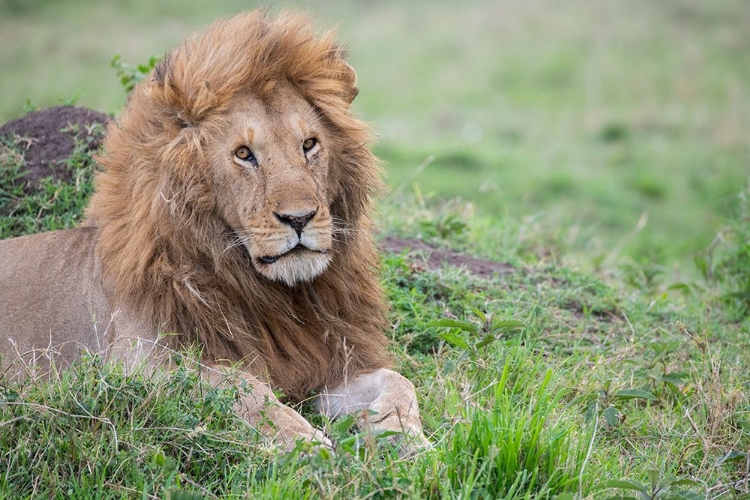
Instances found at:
x=231 y=214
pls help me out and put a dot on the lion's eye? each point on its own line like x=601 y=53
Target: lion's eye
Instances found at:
x=309 y=144
x=244 y=153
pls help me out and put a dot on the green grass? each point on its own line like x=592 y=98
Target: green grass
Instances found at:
x=96 y=430
x=534 y=136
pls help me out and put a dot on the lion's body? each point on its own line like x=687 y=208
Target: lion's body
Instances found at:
x=51 y=297
x=231 y=214
x=55 y=304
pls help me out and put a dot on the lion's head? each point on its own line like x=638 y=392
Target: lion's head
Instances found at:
x=270 y=156
x=232 y=205
x=255 y=114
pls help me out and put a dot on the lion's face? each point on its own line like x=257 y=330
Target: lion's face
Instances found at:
x=270 y=163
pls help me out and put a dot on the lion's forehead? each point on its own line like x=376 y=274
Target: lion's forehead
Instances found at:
x=263 y=121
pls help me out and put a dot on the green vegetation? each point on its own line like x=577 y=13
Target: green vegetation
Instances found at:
x=598 y=148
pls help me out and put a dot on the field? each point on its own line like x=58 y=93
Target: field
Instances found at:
x=599 y=149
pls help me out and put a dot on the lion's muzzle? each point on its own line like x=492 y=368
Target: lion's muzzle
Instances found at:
x=296 y=222
x=295 y=246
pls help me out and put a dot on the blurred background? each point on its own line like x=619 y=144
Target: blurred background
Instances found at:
x=622 y=124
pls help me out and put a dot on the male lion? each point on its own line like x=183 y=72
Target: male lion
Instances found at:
x=231 y=214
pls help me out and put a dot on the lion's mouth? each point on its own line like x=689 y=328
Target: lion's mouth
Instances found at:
x=270 y=259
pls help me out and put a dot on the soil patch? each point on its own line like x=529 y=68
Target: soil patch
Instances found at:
x=434 y=257
x=47 y=137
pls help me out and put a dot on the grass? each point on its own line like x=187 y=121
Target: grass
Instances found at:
x=604 y=365
x=97 y=430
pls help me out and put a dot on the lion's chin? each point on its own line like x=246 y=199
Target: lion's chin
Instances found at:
x=294 y=267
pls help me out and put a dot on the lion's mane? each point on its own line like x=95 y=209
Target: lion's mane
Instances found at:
x=167 y=254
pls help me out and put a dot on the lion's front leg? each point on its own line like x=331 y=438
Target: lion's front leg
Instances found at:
x=386 y=393
x=259 y=406
x=256 y=404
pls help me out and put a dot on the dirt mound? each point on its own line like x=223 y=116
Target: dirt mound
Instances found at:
x=437 y=257
x=48 y=136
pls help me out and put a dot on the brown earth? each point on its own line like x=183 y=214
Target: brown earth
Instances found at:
x=432 y=257
x=47 y=137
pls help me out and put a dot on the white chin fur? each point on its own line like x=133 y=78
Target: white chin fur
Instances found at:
x=295 y=268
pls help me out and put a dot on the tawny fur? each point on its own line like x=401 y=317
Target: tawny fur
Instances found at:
x=168 y=254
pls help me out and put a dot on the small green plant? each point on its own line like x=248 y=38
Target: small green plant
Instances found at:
x=71 y=100
x=478 y=335
x=29 y=106
x=444 y=225
x=446 y=221
x=654 y=367
x=652 y=380
x=655 y=489
x=130 y=75
x=612 y=403
x=646 y=276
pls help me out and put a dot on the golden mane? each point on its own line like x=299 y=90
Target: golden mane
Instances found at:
x=166 y=252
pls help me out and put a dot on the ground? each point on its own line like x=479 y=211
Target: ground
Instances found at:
x=48 y=137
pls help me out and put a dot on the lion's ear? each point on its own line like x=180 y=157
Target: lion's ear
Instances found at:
x=184 y=99
x=169 y=92
x=349 y=77
x=160 y=70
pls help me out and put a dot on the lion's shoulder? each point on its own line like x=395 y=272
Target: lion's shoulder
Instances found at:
x=51 y=295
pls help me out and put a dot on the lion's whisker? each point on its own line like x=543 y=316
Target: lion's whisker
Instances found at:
x=340 y=230
x=236 y=239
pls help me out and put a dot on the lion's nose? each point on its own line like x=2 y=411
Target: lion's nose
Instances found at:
x=296 y=222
